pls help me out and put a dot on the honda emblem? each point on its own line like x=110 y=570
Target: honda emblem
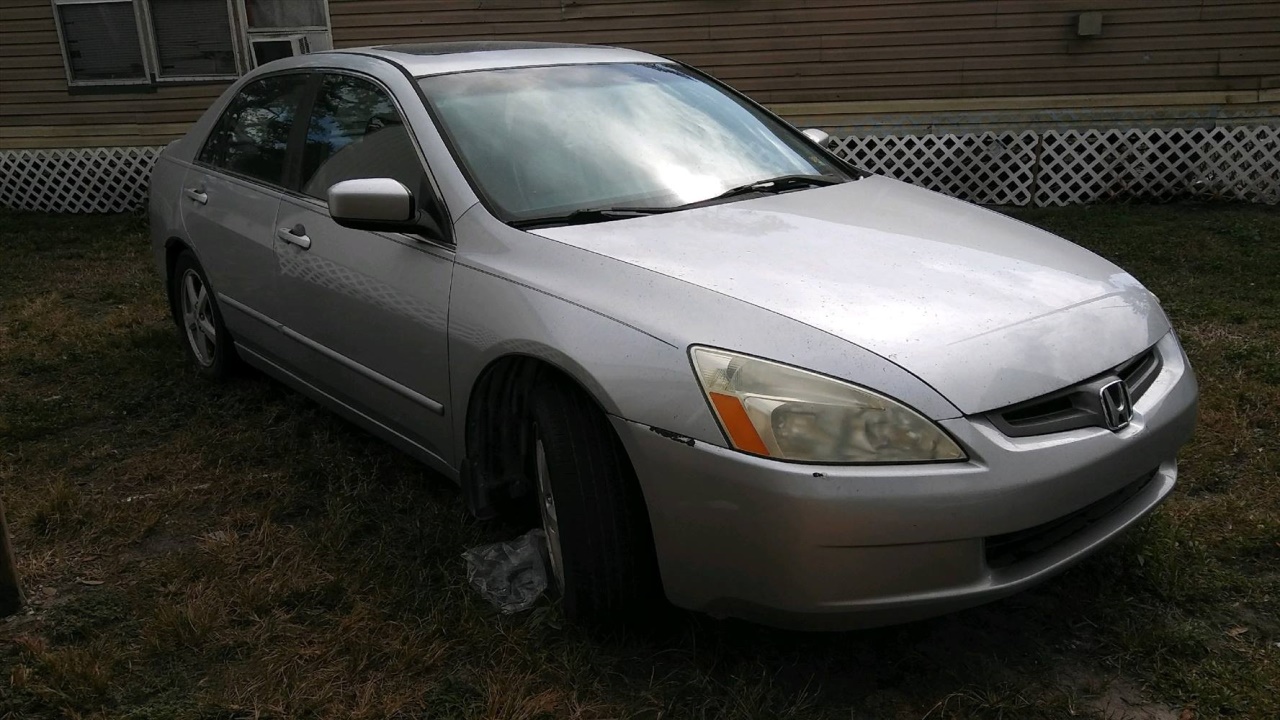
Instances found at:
x=1117 y=408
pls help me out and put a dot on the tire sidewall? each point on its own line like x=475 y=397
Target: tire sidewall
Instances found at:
x=609 y=577
x=547 y=430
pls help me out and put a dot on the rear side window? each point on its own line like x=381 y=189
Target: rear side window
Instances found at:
x=252 y=136
x=356 y=132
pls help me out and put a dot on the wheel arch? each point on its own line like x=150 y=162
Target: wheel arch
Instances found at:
x=173 y=247
x=495 y=440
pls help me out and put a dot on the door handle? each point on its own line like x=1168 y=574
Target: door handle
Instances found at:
x=296 y=235
x=197 y=194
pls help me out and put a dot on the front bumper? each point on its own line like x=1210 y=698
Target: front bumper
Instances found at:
x=830 y=547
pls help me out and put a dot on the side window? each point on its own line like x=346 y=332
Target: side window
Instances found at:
x=252 y=136
x=356 y=132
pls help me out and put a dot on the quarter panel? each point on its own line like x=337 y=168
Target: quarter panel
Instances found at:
x=164 y=209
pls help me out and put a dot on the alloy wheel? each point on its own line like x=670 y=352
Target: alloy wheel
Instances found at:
x=547 y=506
x=197 y=317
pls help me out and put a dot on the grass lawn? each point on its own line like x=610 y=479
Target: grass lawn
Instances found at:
x=195 y=550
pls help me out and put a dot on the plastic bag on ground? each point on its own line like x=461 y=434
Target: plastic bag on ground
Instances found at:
x=511 y=575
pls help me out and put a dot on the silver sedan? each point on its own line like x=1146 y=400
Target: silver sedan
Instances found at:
x=732 y=370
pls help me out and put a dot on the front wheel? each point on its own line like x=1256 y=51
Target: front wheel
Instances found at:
x=593 y=513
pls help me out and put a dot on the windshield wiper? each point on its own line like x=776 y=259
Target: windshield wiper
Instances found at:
x=587 y=216
x=780 y=184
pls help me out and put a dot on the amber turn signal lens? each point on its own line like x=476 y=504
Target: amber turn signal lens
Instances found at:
x=737 y=424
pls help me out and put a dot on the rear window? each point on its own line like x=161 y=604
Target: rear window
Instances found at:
x=251 y=138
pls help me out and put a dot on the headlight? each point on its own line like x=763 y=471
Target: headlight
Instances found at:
x=783 y=412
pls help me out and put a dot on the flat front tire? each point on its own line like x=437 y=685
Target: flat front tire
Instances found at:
x=597 y=525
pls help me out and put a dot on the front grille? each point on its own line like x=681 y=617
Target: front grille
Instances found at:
x=1140 y=372
x=1079 y=405
x=1015 y=547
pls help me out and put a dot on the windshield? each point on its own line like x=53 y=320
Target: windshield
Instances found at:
x=547 y=141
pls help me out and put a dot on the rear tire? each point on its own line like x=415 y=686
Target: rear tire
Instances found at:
x=597 y=527
x=199 y=319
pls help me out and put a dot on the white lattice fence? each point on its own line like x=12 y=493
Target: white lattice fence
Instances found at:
x=1072 y=167
x=1008 y=168
x=77 y=180
x=1240 y=163
x=997 y=168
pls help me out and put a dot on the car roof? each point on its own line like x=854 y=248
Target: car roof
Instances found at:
x=422 y=59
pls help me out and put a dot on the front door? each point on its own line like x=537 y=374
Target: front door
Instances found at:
x=229 y=203
x=366 y=312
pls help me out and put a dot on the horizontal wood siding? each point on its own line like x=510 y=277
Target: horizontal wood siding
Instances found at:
x=37 y=111
x=857 y=50
x=812 y=58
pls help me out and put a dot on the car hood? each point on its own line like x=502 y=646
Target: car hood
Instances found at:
x=986 y=309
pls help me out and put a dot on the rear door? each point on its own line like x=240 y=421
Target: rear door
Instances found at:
x=366 y=312
x=230 y=198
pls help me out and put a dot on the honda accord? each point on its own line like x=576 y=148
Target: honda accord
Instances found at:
x=728 y=368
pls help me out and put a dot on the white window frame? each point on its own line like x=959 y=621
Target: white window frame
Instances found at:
x=242 y=37
x=142 y=46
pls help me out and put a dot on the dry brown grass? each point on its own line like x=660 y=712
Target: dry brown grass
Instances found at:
x=200 y=551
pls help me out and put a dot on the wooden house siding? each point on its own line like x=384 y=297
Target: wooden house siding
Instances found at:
x=825 y=62
x=38 y=111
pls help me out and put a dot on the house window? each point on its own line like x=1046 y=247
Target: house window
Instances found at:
x=193 y=39
x=144 y=42
x=285 y=14
x=100 y=42
x=284 y=28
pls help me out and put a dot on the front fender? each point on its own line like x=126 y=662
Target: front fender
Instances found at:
x=630 y=373
x=623 y=332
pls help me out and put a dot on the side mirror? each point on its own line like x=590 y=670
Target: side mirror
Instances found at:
x=821 y=138
x=381 y=204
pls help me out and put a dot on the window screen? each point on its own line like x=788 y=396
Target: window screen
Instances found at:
x=252 y=136
x=102 y=41
x=193 y=38
x=356 y=132
x=285 y=13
